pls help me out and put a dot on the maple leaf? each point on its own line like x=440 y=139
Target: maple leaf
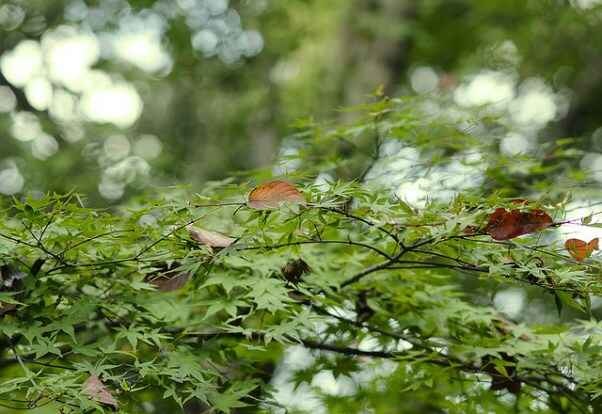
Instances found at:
x=581 y=250
x=209 y=238
x=96 y=390
x=168 y=279
x=294 y=270
x=505 y=225
x=273 y=194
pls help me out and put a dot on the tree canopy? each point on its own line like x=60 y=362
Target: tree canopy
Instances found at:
x=192 y=298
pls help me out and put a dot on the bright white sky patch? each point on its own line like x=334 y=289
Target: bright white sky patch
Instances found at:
x=22 y=63
x=39 y=93
x=515 y=144
x=143 y=49
x=401 y=169
x=138 y=41
x=119 y=104
x=488 y=87
x=62 y=106
x=69 y=55
x=534 y=105
x=510 y=301
x=414 y=192
x=328 y=384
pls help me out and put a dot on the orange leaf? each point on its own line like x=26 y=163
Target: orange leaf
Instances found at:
x=96 y=390
x=505 y=225
x=579 y=249
x=273 y=194
x=209 y=238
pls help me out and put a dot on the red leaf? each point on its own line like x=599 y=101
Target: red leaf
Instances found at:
x=273 y=194
x=505 y=225
x=96 y=390
x=579 y=249
x=209 y=238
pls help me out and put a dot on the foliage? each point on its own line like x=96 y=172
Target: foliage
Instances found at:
x=395 y=298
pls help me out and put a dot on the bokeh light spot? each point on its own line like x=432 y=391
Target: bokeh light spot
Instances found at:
x=22 y=63
x=44 y=146
x=39 y=93
x=148 y=147
x=424 y=79
x=11 y=180
x=8 y=101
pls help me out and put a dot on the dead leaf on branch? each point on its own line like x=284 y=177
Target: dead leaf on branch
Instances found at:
x=209 y=238
x=96 y=390
x=581 y=250
x=507 y=224
x=273 y=194
x=168 y=279
x=294 y=270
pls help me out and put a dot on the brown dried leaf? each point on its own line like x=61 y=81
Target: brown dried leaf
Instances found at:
x=168 y=279
x=167 y=283
x=294 y=270
x=581 y=250
x=209 y=238
x=505 y=225
x=273 y=194
x=96 y=390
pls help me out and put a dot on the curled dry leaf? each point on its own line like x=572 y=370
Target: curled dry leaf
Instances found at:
x=294 y=270
x=167 y=284
x=273 y=194
x=96 y=390
x=168 y=280
x=505 y=225
x=581 y=250
x=209 y=238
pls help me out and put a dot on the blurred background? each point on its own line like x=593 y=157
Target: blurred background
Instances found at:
x=115 y=97
x=111 y=97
